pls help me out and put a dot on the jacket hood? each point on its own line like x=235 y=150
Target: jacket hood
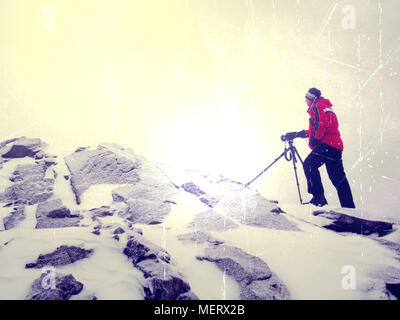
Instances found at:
x=322 y=102
x=325 y=102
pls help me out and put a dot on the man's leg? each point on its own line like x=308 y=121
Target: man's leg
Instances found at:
x=311 y=164
x=334 y=167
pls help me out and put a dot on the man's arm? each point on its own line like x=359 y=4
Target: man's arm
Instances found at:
x=320 y=123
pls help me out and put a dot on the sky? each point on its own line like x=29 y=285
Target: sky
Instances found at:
x=209 y=85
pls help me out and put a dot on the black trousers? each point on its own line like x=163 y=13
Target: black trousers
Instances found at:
x=332 y=158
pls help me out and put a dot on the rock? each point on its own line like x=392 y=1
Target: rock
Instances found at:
x=253 y=209
x=211 y=220
x=107 y=164
x=146 y=211
x=53 y=214
x=96 y=232
x=61 y=256
x=49 y=162
x=238 y=264
x=147 y=204
x=63 y=288
x=139 y=249
x=163 y=282
x=187 y=296
x=270 y=289
x=119 y=230
x=203 y=196
x=391 y=245
x=160 y=192
x=103 y=211
x=137 y=230
x=199 y=237
x=24 y=147
x=30 y=185
x=62 y=212
x=346 y=223
x=211 y=202
x=253 y=274
x=15 y=217
x=394 y=289
x=192 y=188
x=81 y=149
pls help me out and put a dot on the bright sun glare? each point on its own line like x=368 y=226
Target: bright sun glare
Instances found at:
x=217 y=140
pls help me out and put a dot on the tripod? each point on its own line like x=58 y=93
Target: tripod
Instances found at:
x=289 y=153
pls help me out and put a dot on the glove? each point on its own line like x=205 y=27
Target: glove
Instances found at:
x=314 y=142
x=302 y=134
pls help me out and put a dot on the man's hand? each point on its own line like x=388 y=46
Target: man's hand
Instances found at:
x=302 y=134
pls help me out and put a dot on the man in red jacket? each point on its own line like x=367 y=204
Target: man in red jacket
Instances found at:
x=327 y=146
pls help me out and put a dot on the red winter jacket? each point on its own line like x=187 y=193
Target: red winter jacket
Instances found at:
x=324 y=124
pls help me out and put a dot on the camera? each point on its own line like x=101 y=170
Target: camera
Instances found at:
x=290 y=136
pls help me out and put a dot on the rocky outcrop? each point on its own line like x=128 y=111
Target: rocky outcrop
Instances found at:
x=256 y=280
x=163 y=281
x=23 y=147
x=341 y=222
x=53 y=214
x=103 y=211
x=60 y=257
x=394 y=289
x=238 y=202
x=199 y=237
x=30 y=185
x=146 y=203
x=53 y=286
x=14 y=218
x=107 y=164
x=211 y=220
x=191 y=187
x=144 y=194
x=252 y=209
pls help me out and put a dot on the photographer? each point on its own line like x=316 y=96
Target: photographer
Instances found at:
x=327 y=146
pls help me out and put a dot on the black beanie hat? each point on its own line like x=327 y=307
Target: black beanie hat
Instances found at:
x=315 y=92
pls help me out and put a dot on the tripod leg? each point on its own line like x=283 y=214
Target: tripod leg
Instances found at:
x=294 y=151
x=298 y=155
x=282 y=154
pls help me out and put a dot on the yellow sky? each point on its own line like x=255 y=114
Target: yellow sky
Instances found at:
x=199 y=84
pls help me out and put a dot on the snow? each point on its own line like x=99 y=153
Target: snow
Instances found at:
x=312 y=263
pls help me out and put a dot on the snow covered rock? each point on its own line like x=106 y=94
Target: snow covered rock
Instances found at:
x=253 y=275
x=139 y=248
x=53 y=214
x=341 y=222
x=163 y=281
x=181 y=235
x=252 y=209
x=198 y=237
x=63 y=288
x=61 y=256
x=146 y=211
x=146 y=203
x=15 y=217
x=238 y=202
x=210 y=220
x=30 y=185
x=106 y=164
x=22 y=147
x=102 y=212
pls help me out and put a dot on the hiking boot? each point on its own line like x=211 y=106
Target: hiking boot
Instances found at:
x=319 y=201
